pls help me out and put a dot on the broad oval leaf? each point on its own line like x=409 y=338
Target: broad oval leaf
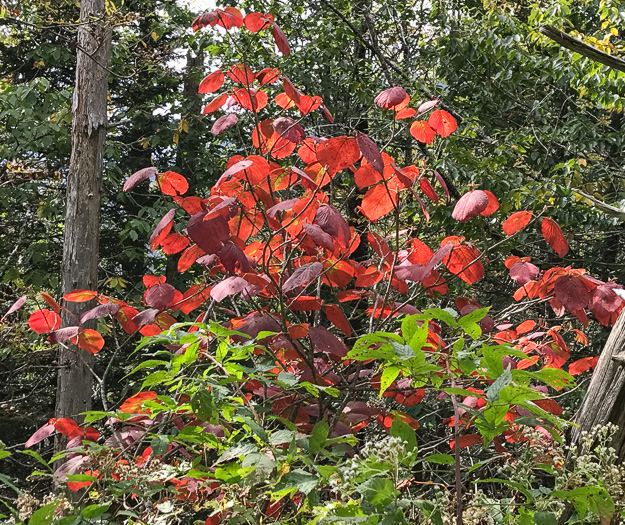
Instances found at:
x=137 y=177
x=516 y=222
x=442 y=122
x=44 y=321
x=160 y=295
x=224 y=123
x=470 y=205
x=212 y=82
x=554 y=236
x=302 y=276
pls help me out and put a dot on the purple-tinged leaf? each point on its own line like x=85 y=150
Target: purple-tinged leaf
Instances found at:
x=160 y=295
x=326 y=342
x=470 y=205
x=167 y=219
x=224 y=123
x=571 y=292
x=333 y=223
x=139 y=176
x=289 y=129
x=371 y=152
x=100 y=311
x=391 y=97
x=427 y=105
x=319 y=237
x=41 y=434
x=15 y=307
x=63 y=334
x=230 y=286
x=523 y=272
x=230 y=254
x=302 y=276
x=146 y=317
x=209 y=235
x=235 y=168
x=443 y=184
x=281 y=206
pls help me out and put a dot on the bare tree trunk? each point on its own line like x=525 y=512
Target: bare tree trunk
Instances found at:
x=603 y=402
x=84 y=182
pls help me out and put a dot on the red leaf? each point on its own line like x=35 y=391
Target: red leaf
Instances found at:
x=319 y=237
x=604 y=302
x=251 y=99
x=378 y=202
x=213 y=105
x=124 y=316
x=162 y=229
x=160 y=295
x=75 y=486
x=281 y=40
x=391 y=98
x=68 y=427
x=305 y=303
x=336 y=316
x=428 y=190
x=338 y=153
x=209 y=235
x=80 y=296
x=137 y=177
x=212 y=82
x=302 y=276
x=460 y=262
x=442 y=122
x=422 y=131
x=90 y=341
x=554 y=237
x=134 y=404
x=44 y=321
x=470 y=205
x=63 y=334
x=581 y=365
x=269 y=75
x=172 y=183
x=493 y=204
x=405 y=113
x=290 y=90
x=14 y=307
x=256 y=22
x=204 y=20
x=241 y=74
x=516 y=222
x=224 y=123
x=174 y=243
x=41 y=434
x=371 y=152
x=466 y=441
x=571 y=292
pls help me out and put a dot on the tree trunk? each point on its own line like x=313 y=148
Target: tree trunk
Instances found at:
x=604 y=398
x=603 y=402
x=84 y=182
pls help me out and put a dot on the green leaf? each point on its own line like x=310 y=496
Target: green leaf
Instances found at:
x=377 y=491
x=388 y=376
x=35 y=455
x=43 y=516
x=93 y=511
x=512 y=484
x=281 y=436
x=318 y=436
x=7 y=481
x=440 y=459
x=301 y=480
x=202 y=404
x=441 y=315
x=544 y=518
x=492 y=393
x=596 y=499
x=406 y=433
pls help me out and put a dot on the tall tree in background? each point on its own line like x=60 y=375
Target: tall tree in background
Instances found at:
x=84 y=182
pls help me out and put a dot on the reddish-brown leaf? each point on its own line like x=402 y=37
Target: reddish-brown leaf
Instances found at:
x=554 y=237
x=51 y=302
x=281 y=41
x=209 y=235
x=63 y=334
x=100 y=311
x=571 y=292
x=391 y=98
x=466 y=441
x=302 y=276
x=289 y=129
x=160 y=295
x=336 y=316
x=371 y=152
x=523 y=272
